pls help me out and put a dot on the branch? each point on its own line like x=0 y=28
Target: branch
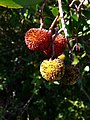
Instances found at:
x=64 y=27
x=78 y=8
x=62 y=18
x=26 y=105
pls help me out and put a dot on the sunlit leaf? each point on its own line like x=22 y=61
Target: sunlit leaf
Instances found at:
x=55 y=11
x=75 y=60
x=87 y=68
x=88 y=22
x=83 y=55
x=19 y=3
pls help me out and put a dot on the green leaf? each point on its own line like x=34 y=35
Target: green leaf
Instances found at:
x=55 y=11
x=19 y=3
x=1 y=87
x=83 y=55
x=75 y=17
x=75 y=60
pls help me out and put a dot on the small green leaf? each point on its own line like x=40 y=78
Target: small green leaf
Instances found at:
x=83 y=55
x=75 y=60
x=55 y=11
x=75 y=17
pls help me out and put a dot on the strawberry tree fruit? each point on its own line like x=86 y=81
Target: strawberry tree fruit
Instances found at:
x=59 y=46
x=52 y=70
x=37 y=39
x=71 y=75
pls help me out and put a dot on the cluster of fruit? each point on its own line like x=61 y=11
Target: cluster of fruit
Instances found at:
x=53 y=69
x=41 y=40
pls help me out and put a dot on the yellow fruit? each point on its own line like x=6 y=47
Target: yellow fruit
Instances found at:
x=71 y=75
x=52 y=70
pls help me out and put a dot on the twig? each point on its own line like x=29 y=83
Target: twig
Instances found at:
x=42 y=17
x=26 y=105
x=76 y=45
x=57 y=33
x=78 y=8
x=28 y=116
x=72 y=3
x=82 y=89
x=50 y=30
x=53 y=23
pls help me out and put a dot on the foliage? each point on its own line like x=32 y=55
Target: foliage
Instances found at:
x=23 y=92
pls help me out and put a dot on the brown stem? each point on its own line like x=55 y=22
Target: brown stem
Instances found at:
x=77 y=46
x=50 y=30
x=53 y=23
x=56 y=34
x=41 y=15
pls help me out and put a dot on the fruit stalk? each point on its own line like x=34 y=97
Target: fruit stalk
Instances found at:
x=41 y=14
x=50 y=30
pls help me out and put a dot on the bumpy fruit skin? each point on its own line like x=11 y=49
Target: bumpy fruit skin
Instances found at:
x=37 y=39
x=52 y=70
x=59 y=46
x=71 y=75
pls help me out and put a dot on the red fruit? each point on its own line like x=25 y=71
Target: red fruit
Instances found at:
x=37 y=39
x=59 y=46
